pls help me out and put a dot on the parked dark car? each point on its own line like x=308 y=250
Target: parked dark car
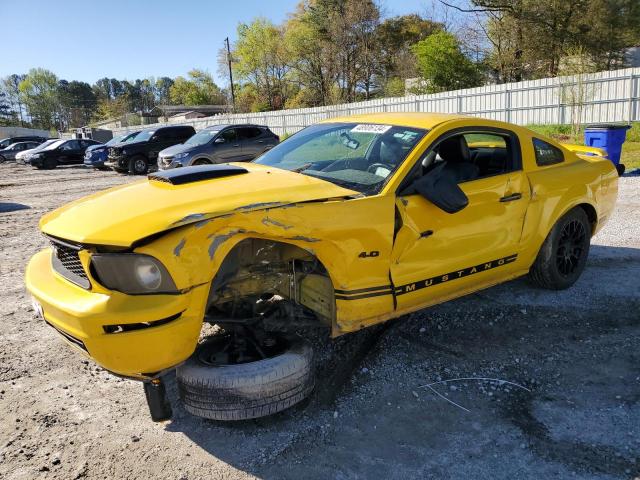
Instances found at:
x=12 y=150
x=5 y=142
x=62 y=152
x=23 y=157
x=219 y=144
x=138 y=156
x=96 y=155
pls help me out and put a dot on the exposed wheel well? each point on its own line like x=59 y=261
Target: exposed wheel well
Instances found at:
x=260 y=276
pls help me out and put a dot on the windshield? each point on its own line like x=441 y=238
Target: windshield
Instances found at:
x=144 y=135
x=356 y=156
x=125 y=137
x=54 y=145
x=201 y=138
x=44 y=145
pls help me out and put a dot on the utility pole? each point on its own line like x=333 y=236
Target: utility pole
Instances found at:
x=233 y=94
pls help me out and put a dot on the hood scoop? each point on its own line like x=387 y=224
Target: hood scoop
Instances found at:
x=183 y=175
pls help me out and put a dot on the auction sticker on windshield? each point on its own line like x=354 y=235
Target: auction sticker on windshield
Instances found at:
x=370 y=128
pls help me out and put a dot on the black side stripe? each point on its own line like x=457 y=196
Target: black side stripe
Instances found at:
x=363 y=290
x=447 y=277
x=363 y=295
x=429 y=282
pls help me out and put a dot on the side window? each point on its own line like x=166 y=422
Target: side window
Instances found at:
x=469 y=156
x=71 y=145
x=185 y=133
x=546 y=154
x=491 y=153
x=248 y=133
x=163 y=135
x=229 y=135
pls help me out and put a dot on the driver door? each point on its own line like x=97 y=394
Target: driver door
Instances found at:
x=70 y=152
x=438 y=255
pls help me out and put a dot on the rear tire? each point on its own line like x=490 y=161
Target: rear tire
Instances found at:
x=564 y=253
x=138 y=165
x=621 y=169
x=246 y=390
x=2 y=159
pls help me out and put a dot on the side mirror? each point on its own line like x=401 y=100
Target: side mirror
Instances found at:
x=219 y=140
x=441 y=190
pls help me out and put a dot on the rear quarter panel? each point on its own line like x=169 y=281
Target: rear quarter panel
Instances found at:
x=556 y=189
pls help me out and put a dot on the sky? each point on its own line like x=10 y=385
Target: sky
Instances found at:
x=88 y=40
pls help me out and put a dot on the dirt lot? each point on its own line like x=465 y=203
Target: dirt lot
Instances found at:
x=577 y=352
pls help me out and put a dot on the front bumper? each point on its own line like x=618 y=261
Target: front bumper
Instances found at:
x=117 y=163
x=80 y=316
x=36 y=162
x=95 y=161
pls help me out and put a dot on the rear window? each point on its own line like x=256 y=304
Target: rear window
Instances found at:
x=546 y=154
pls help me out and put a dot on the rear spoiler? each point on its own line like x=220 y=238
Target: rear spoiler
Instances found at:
x=586 y=151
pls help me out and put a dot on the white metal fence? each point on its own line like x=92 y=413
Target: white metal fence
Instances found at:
x=610 y=96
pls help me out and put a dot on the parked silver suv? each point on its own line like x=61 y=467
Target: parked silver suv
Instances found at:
x=219 y=144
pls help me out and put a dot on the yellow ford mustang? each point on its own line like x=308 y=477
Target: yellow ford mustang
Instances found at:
x=346 y=224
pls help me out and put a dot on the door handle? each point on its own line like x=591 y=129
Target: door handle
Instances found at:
x=512 y=197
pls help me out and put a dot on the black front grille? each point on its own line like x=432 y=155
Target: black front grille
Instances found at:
x=66 y=262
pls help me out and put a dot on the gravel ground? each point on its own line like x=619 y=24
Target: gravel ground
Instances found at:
x=574 y=413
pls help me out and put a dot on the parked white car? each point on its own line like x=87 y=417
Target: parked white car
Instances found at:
x=23 y=157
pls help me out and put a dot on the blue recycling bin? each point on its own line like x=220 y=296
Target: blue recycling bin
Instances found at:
x=608 y=137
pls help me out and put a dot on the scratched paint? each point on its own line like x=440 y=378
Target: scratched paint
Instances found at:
x=270 y=221
x=217 y=240
x=179 y=247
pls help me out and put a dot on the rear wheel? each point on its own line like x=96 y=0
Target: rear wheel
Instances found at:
x=138 y=165
x=2 y=159
x=564 y=253
x=231 y=378
x=620 y=168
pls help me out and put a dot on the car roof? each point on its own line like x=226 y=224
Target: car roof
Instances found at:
x=410 y=119
x=234 y=125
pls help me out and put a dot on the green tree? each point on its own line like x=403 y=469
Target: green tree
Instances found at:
x=442 y=64
x=261 y=58
x=198 y=89
x=161 y=90
x=78 y=103
x=396 y=35
x=39 y=89
x=11 y=87
x=529 y=39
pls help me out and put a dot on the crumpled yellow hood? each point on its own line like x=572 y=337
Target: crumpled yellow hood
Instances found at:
x=119 y=216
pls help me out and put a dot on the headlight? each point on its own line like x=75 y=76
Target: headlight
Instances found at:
x=132 y=273
x=181 y=155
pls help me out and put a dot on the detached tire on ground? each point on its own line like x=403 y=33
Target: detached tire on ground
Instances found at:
x=246 y=390
x=564 y=253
